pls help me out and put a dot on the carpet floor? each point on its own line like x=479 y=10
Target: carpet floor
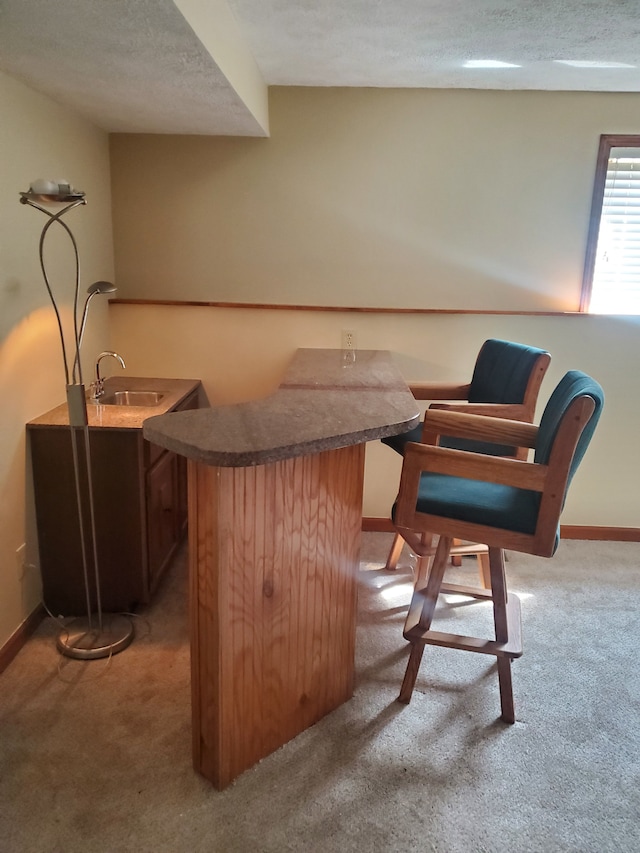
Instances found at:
x=95 y=756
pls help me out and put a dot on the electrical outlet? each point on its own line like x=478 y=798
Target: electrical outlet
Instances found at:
x=348 y=339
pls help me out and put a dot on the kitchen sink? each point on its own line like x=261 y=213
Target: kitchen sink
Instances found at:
x=131 y=398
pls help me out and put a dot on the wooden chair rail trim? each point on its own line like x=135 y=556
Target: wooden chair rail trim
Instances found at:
x=197 y=303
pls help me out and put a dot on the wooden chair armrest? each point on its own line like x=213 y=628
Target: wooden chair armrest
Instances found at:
x=475 y=466
x=514 y=411
x=420 y=458
x=439 y=390
x=479 y=428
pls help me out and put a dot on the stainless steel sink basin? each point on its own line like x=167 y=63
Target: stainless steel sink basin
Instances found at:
x=131 y=398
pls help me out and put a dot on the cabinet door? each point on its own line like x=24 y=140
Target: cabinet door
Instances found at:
x=116 y=466
x=162 y=520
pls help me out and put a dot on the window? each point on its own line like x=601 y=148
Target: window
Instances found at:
x=611 y=283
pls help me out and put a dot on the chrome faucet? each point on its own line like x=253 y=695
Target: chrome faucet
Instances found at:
x=97 y=387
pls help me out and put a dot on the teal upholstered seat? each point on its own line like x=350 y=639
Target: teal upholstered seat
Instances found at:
x=501 y=375
x=491 y=504
x=506 y=380
x=507 y=503
x=503 y=506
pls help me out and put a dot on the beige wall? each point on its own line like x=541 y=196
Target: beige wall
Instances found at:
x=241 y=354
x=425 y=199
x=416 y=198
x=39 y=139
x=429 y=199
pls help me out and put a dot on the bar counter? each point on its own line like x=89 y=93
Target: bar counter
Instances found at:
x=275 y=513
x=324 y=401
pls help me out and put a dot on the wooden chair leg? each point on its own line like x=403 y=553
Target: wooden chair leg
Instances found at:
x=506 y=690
x=507 y=644
x=394 y=553
x=423 y=561
x=429 y=595
x=430 y=592
x=499 y=595
x=422 y=570
x=484 y=570
x=411 y=673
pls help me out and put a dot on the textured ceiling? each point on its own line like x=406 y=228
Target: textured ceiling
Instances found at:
x=138 y=66
x=132 y=66
x=425 y=43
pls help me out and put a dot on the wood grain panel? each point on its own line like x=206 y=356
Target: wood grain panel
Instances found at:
x=274 y=553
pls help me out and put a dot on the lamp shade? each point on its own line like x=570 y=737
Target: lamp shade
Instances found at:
x=49 y=192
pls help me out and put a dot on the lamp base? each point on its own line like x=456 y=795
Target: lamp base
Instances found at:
x=83 y=640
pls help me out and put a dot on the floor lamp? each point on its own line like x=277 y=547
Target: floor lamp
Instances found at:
x=97 y=635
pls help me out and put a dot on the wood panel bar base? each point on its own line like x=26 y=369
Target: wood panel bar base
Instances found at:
x=275 y=517
x=274 y=554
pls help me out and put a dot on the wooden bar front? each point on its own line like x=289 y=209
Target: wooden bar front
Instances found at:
x=275 y=511
x=274 y=552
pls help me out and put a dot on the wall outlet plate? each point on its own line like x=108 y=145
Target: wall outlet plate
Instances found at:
x=348 y=339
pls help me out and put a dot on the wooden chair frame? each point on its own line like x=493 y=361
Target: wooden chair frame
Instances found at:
x=524 y=411
x=416 y=528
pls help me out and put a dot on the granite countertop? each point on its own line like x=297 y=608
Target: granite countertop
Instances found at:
x=124 y=417
x=323 y=402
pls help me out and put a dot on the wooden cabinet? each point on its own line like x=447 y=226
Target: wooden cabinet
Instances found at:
x=162 y=514
x=140 y=515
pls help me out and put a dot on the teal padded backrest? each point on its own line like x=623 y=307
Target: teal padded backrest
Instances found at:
x=574 y=384
x=502 y=372
x=509 y=507
x=501 y=375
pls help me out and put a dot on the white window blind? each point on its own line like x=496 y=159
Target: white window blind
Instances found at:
x=615 y=286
